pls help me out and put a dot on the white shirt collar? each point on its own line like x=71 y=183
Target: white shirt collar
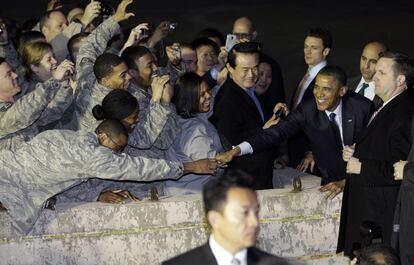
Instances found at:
x=223 y=257
x=313 y=71
x=369 y=91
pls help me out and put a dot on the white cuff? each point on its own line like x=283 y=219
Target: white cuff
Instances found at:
x=245 y=148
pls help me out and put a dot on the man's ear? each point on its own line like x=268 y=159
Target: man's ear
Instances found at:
x=254 y=35
x=343 y=90
x=230 y=69
x=326 y=52
x=213 y=218
x=102 y=137
x=401 y=80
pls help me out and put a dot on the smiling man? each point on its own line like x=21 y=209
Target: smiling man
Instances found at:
x=333 y=119
x=232 y=210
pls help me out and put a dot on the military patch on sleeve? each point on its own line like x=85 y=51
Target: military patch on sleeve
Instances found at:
x=4 y=106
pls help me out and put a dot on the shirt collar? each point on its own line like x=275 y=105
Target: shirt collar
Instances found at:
x=337 y=111
x=313 y=71
x=223 y=257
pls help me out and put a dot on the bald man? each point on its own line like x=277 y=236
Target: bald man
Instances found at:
x=364 y=84
x=244 y=29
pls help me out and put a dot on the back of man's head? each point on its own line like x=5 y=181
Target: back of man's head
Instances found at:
x=74 y=44
x=215 y=191
x=322 y=34
x=243 y=29
x=132 y=54
x=403 y=65
x=112 y=128
x=104 y=65
x=378 y=255
x=335 y=71
x=212 y=34
x=29 y=37
x=243 y=47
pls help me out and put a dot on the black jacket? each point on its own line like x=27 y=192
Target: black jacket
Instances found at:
x=316 y=126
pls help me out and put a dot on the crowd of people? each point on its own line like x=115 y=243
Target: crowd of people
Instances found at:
x=88 y=114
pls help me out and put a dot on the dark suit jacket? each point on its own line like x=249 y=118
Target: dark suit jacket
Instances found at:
x=236 y=118
x=299 y=144
x=203 y=255
x=372 y=194
x=316 y=126
x=353 y=84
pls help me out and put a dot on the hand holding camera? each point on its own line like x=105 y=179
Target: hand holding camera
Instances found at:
x=174 y=53
x=92 y=11
x=161 y=31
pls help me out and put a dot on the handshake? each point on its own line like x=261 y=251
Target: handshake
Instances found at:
x=211 y=165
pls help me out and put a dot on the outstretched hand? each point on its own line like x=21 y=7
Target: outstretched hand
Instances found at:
x=202 y=166
x=121 y=14
x=226 y=157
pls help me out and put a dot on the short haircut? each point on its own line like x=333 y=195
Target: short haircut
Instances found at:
x=378 y=255
x=186 y=45
x=2 y=60
x=322 y=34
x=187 y=95
x=243 y=47
x=403 y=65
x=335 y=71
x=33 y=53
x=28 y=37
x=215 y=191
x=104 y=65
x=132 y=54
x=112 y=128
x=117 y=105
x=75 y=39
x=197 y=43
x=210 y=33
x=45 y=19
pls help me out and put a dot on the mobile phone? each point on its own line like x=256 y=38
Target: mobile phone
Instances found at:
x=230 y=41
x=280 y=114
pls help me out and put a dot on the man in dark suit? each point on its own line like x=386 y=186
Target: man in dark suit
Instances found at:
x=371 y=191
x=238 y=113
x=232 y=209
x=316 y=49
x=364 y=85
x=334 y=118
x=403 y=232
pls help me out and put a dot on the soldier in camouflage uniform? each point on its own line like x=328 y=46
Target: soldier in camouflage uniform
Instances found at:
x=58 y=159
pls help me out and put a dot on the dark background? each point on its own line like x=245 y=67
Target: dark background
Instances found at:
x=281 y=24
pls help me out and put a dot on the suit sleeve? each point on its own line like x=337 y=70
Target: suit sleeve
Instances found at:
x=274 y=135
x=380 y=172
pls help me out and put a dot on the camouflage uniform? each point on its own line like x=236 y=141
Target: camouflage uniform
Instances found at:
x=58 y=159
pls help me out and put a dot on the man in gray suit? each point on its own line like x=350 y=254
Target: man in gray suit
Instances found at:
x=364 y=84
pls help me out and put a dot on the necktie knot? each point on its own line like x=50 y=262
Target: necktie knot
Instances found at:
x=332 y=117
x=363 y=88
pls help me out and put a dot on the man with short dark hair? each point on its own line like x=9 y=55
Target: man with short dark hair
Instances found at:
x=316 y=49
x=378 y=255
x=371 y=191
x=232 y=210
x=238 y=113
x=157 y=115
x=364 y=85
x=98 y=73
x=334 y=118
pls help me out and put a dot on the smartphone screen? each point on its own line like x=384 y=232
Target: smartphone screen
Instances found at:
x=230 y=41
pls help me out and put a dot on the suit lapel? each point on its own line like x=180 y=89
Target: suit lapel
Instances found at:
x=208 y=255
x=248 y=101
x=380 y=115
x=348 y=122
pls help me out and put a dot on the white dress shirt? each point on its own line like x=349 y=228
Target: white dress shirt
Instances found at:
x=369 y=92
x=246 y=148
x=312 y=74
x=223 y=257
x=338 y=119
